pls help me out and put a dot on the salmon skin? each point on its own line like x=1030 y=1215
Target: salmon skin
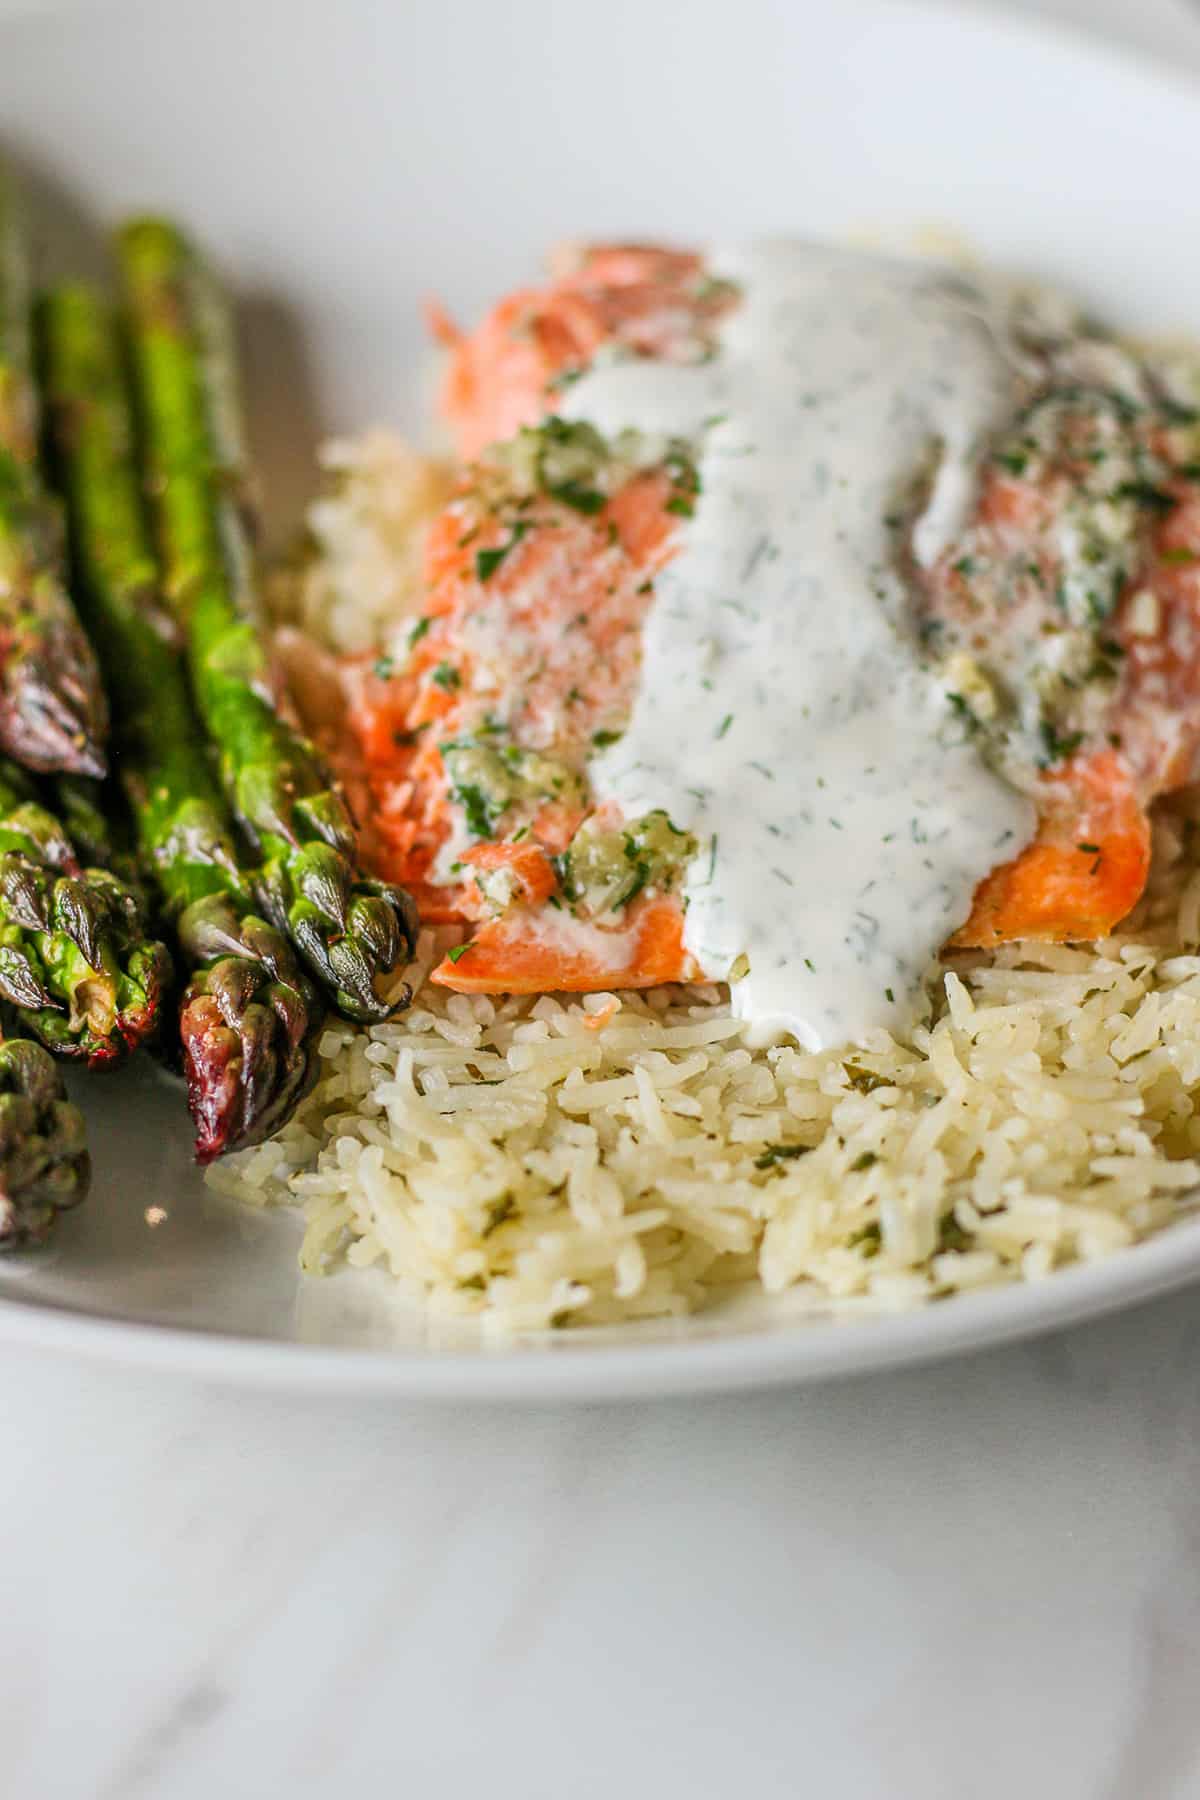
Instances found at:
x=473 y=746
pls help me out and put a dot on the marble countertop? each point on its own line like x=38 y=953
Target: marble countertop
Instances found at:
x=976 y=1581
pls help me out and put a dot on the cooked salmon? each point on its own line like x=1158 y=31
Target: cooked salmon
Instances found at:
x=1079 y=660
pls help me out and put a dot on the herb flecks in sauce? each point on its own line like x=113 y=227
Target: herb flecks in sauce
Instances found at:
x=835 y=602
x=781 y=634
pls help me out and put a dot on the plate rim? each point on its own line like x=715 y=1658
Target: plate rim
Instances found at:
x=577 y=1367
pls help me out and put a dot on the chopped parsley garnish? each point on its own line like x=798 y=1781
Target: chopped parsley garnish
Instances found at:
x=1180 y=555
x=723 y=727
x=1015 y=461
x=682 y=505
x=1058 y=745
x=890 y=996
x=479 y=813
x=864 y=1081
x=418 y=632
x=964 y=566
x=602 y=739
x=777 y=1153
x=447 y=677
x=864 y=1161
x=951 y=1235
x=458 y=952
x=867 y=1240
x=1089 y=849
x=383 y=666
x=488 y=561
x=1146 y=494
x=583 y=498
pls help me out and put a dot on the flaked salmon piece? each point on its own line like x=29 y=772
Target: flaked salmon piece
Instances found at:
x=530 y=870
x=1085 y=870
x=1068 y=618
x=525 y=659
x=523 y=952
x=644 y=300
x=533 y=620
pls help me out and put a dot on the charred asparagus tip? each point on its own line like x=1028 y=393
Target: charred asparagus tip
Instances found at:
x=248 y=1056
x=249 y=1025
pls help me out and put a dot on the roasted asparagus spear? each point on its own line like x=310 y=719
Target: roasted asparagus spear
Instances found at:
x=52 y=707
x=76 y=956
x=249 y=1016
x=352 y=932
x=44 y=1165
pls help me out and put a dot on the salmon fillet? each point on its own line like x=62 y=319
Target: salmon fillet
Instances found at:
x=474 y=747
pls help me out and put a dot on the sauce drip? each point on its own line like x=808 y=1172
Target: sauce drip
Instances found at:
x=784 y=713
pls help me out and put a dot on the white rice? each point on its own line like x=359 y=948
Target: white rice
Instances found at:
x=540 y=1161
x=361 y=571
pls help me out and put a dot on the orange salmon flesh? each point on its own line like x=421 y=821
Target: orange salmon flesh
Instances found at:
x=530 y=638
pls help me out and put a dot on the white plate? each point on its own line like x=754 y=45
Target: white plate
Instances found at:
x=346 y=160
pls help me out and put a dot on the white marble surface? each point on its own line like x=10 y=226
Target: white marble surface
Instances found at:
x=977 y=1581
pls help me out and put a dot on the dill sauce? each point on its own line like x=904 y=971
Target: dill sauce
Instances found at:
x=783 y=713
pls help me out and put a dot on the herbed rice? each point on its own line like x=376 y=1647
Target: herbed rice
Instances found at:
x=587 y=1160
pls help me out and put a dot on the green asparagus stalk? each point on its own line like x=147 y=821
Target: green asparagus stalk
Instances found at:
x=75 y=954
x=44 y=1164
x=249 y=1017
x=52 y=707
x=353 y=932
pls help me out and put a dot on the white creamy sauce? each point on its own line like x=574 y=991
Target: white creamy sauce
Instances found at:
x=783 y=713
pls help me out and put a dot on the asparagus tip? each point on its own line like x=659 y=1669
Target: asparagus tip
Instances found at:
x=44 y=1164
x=245 y=1074
x=248 y=1025
x=52 y=723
